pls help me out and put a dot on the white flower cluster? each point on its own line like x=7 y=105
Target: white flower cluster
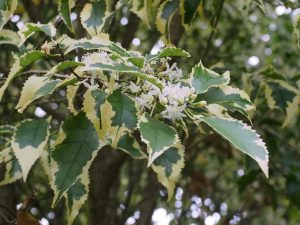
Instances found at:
x=174 y=96
x=97 y=57
x=173 y=72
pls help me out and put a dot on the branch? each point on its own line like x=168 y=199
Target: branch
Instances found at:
x=214 y=27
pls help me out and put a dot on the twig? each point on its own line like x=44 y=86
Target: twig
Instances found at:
x=214 y=26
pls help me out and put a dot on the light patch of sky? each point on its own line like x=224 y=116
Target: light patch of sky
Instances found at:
x=39 y=112
x=136 y=41
x=281 y=10
x=240 y=172
x=157 y=47
x=130 y=221
x=179 y=193
x=15 y=18
x=265 y=37
x=207 y=202
x=44 y=221
x=20 y=24
x=212 y=219
x=218 y=42
x=161 y=217
x=253 y=61
x=34 y=211
x=223 y=208
x=124 y=21
x=51 y=215
x=73 y=16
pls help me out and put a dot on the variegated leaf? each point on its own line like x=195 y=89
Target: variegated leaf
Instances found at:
x=7 y=129
x=202 y=78
x=95 y=63
x=7 y=8
x=157 y=135
x=188 y=9
x=94 y=98
x=13 y=171
x=19 y=65
x=281 y=95
x=145 y=10
x=76 y=196
x=124 y=118
x=29 y=142
x=63 y=66
x=8 y=37
x=297 y=29
x=169 y=52
x=93 y=16
x=30 y=28
x=229 y=98
x=99 y=42
x=164 y=16
x=129 y=145
x=64 y=10
x=242 y=137
x=73 y=154
x=37 y=87
x=71 y=94
x=168 y=167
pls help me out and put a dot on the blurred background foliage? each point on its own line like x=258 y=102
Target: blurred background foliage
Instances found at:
x=256 y=41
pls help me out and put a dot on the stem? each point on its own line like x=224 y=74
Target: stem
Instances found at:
x=215 y=24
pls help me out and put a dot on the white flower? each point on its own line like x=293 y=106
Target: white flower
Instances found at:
x=173 y=112
x=176 y=93
x=97 y=57
x=133 y=87
x=173 y=72
x=145 y=101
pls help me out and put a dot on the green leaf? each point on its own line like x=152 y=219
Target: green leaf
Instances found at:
x=64 y=10
x=19 y=65
x=168 y=167
x=31 y=28
x=188 y=9
x=93 y=16
x=8 y=37
x=37 y=87
x=157 y=135
x=229 y=98
x=164 y=16
x=29 y=142
x=137 y=61
x=169 y=52
x=129 y=145
x=7 y=8
x=73 y=155
x=202 y=78
x=242 y=137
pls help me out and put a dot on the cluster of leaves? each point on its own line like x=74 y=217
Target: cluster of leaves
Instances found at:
x=134 y=103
